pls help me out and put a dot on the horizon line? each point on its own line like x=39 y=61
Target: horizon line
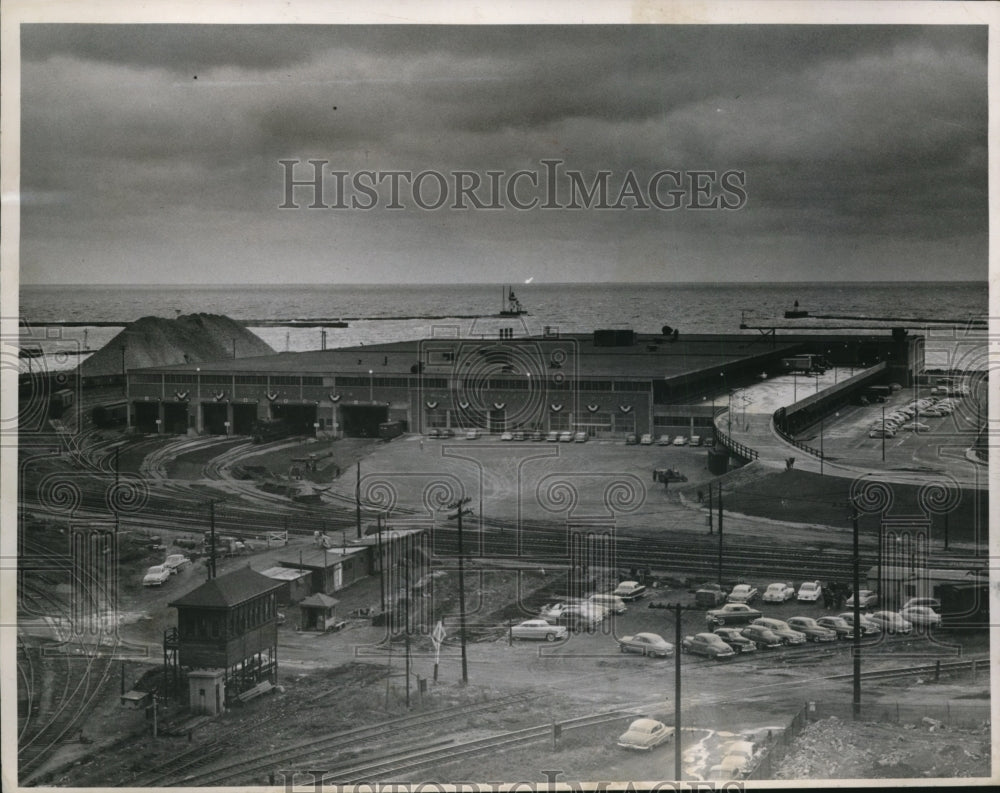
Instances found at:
x=432 y=284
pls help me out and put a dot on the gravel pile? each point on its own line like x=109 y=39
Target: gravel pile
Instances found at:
x=156 y=341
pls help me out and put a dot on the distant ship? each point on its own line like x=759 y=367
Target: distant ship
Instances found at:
x=796 y=312
x=510 y=306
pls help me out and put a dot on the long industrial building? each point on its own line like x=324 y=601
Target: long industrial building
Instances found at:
x=608 y=383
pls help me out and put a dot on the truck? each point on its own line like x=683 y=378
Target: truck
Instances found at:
x=388 y=430
x=804 y=363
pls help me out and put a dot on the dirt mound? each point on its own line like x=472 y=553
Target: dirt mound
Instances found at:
x=157 y=341
x=837 y=749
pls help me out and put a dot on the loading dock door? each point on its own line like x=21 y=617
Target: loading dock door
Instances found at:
x=175 y=417
x=244 y=417
x=146 y=414
x=214 y=418
x=361 y=421
x=498 y=420
x=299 y=418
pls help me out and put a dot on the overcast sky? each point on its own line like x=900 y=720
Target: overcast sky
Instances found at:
x=150 y=154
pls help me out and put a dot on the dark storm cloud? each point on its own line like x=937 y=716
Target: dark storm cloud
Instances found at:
x=844 y=132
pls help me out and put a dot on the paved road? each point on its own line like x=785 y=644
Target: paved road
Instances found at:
x=910 y=457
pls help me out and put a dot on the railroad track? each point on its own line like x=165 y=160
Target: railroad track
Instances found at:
x=921 y=669
x=319 y=747
x=390 y=764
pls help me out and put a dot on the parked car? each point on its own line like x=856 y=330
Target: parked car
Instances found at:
x=519 y=435
x=156 y=576
x=933 y=603
x=566 y=437
x=778 y=593
x=680 y=440
x=447 y=432
x=842 y=627
x=782 y=629
x=743 y=593
x=537 y=435
x=646 y=644
x=709 y=595
x=761 y=636
x=612 y=603
x=707 y=644
x=630 y=590
x=891 y=622
x=732 y=613
x=631 y=440
x=663 y=440
x=433 y=432
x=645 y=734
x=868 y=627
x=646 y=440
x=553 y=611
x=695 y=440
x=471 y=435
x=812 y=629
x=176 y=562
x=506 y=436
x=866 y=598
x=809 y=591
x=582 y=617
x=539 y=629
x=580 y=437
x=921 y=616
x=736 y=640
x=552 y=437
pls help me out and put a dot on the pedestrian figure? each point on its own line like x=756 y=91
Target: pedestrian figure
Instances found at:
x=826 y=597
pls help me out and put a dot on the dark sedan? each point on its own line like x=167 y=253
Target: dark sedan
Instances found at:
x=732 y=613
x=841 y=626
x=761 y=636
x=707 y=644
x=736 y=640
x=813 y=630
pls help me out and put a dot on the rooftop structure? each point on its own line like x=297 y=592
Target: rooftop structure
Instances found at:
x=608 y=383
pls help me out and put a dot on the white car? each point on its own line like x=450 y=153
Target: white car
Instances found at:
x=471 y=435
x=644 y=734
x=809 y=591
x=580 y=437
x=539 y=629
x=778 y=593
x=629 y=590
x=680 y=440
x=664 y=440
x=742 y=593
x=695 y=440
x=566 y=437
x=921 y=616
x=176 y=562
x=552 y=437
x=156 y=576
x=646 y=440
x=506 y=436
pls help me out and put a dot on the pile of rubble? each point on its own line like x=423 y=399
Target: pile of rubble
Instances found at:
x=833 y=748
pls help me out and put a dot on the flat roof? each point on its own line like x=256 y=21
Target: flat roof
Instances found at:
x=319 y=557
x=652 y=356
x=285 y=573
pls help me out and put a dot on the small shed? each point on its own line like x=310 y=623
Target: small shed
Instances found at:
x=318 y=612
x=296 y=584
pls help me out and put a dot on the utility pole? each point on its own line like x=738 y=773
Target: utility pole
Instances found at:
x=857 y=614
x=357 y=499
x=211 y=541
x=381 y=561
x=883 y=432
x=406 y=572
x=459 y=507
x=709 y=507
x=678 y=770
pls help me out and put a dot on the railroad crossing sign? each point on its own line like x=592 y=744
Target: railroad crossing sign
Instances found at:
x=437 y=636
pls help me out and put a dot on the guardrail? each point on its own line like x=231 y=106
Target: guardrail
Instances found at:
x=737 y=448
x=789 y=439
